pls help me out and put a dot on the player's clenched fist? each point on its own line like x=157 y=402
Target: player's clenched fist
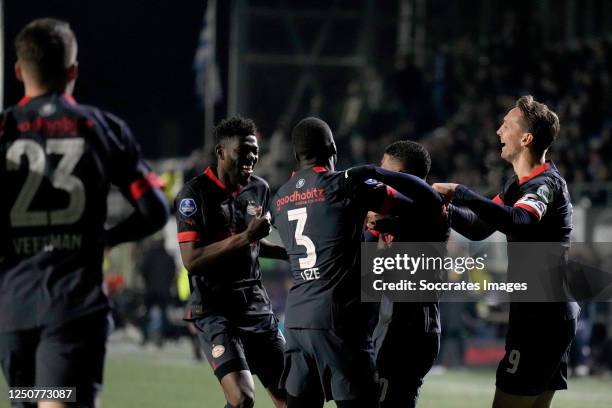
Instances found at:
x=258 y=228
x=446 y=189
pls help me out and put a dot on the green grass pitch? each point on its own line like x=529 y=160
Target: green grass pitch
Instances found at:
x=148 y=378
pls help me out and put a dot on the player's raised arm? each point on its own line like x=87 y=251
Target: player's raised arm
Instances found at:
x=501 y=217
x=401 y=192
x=136 y=181
x=467 y=223
x=197 y=257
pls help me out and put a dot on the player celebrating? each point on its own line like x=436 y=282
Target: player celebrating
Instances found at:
x=534 y=206
x=57 y=161
x=220 y=229
x=407 y=337
x=319 y=214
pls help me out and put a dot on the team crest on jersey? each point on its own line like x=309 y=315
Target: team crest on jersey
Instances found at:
x=217 y=351
x=187 y=207
x=253 y=209
x=300 y=183
x=47 y=109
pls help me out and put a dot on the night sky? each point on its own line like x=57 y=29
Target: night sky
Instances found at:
x=135 y=60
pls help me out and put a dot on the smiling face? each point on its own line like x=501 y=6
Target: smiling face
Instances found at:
x=237 y=157
x=513 y=136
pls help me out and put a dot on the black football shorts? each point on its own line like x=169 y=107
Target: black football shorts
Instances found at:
x=536 y=355
x=322 y=362
x=70 y=354
x=230 y=349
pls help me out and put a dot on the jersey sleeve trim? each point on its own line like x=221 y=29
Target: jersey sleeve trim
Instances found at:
x=188 y=236
x=531 y=208
x=141 y=186
x=498 y=200
x=389 y=201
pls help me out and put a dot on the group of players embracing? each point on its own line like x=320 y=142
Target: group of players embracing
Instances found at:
x=58 y=159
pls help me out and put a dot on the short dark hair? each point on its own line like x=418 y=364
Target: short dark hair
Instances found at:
x=414 y=157
x=312 y=138
x=540 y=121
x=234 y=126
x=47 y=46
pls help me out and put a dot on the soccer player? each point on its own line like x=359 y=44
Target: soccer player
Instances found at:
x=319 y=214
x=534 y=206
x=57 y=162
x=221 y=223
x=407 y=337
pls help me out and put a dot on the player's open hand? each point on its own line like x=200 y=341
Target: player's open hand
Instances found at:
x=447 y=190
x=258 y=228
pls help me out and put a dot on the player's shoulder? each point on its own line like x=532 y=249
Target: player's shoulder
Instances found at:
x=259 y=182
x=196 y=185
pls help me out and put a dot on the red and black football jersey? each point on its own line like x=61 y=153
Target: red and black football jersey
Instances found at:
x=57 y=162
x=320 y=215
x=208 y=212
x=544 y=194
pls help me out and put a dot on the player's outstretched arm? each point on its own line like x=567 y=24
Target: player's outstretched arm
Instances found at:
x=197 y=258
x=410 y=186
x=151 y=214
x=506 y=219
x=467 y=223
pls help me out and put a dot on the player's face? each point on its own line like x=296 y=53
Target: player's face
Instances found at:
x=240 y=154
x=392 y=164
x=511 y=135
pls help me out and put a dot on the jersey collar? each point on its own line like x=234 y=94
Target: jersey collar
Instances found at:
x=24 y=101
x=210 y=173
x=537 y=171
x=316 y=169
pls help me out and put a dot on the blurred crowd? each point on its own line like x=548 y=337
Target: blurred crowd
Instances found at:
x=455 y=104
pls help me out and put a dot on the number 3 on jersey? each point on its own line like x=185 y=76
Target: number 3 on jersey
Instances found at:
x=300 y=215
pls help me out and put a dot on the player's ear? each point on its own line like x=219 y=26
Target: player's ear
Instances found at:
x=219 y=151
x=18 y=72
x=73 y=71
x=527 y=139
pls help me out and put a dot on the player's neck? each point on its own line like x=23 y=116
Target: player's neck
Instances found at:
x=33 y=90
x=225 y=179
x=526 y=163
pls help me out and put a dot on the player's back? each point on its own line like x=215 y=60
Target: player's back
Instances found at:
x=319 y=217
x=57 y=160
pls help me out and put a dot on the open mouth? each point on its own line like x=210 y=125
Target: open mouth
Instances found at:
x=246 y=169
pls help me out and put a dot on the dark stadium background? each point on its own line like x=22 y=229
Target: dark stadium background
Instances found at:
x=439 y=72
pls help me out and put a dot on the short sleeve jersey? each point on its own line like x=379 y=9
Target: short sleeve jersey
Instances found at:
x=544 y=194
x=208 y=212
x=320 y=216
x=57 y=162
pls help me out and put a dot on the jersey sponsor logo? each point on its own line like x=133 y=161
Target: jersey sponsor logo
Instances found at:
x=59 y=127
x=300 y=183
x=371 y=182
x=309 y=196
x=217 y=351
x=187 y=207
x=47 y=109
